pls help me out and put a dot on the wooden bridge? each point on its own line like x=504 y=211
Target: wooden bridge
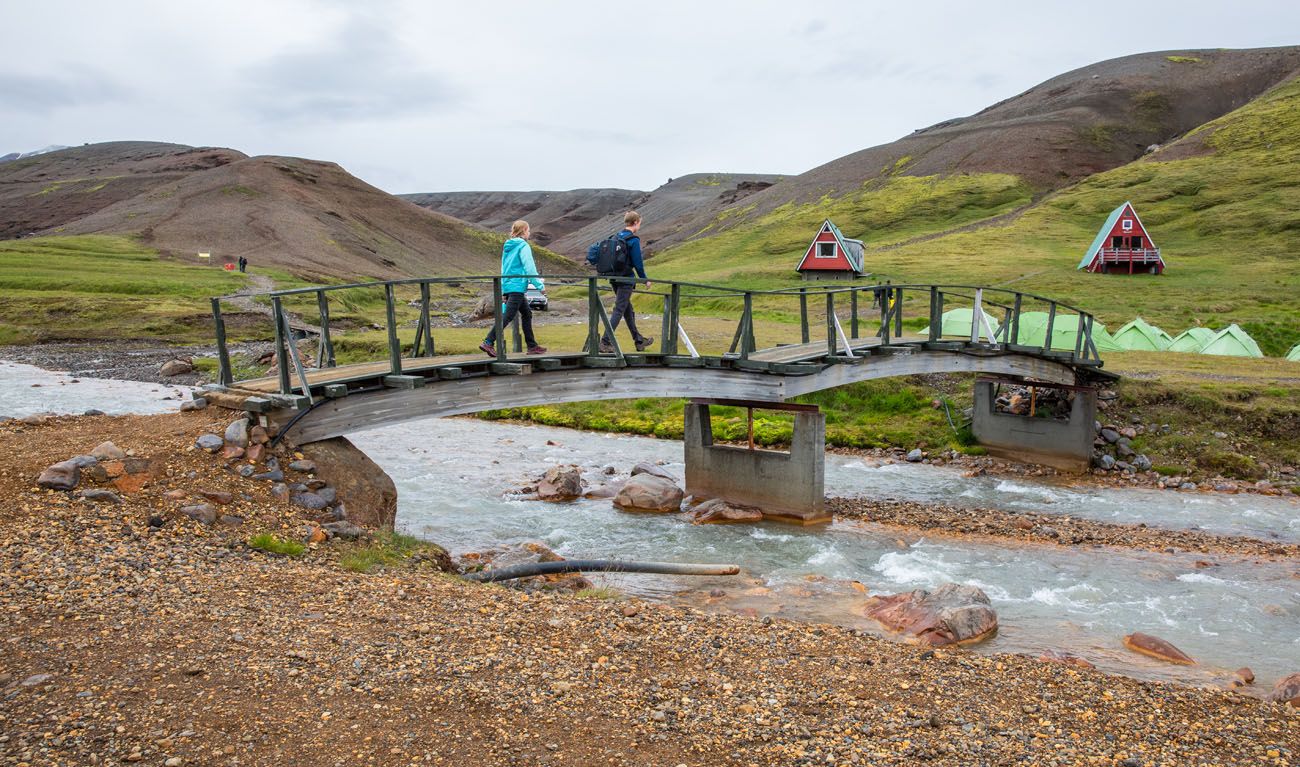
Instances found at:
x=786 y=343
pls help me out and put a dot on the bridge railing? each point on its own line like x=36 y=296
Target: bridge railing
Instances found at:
x=836 y=317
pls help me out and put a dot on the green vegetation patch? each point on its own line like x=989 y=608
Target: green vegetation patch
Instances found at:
x=389 y=550
x=1184 y=59
x=273 y=544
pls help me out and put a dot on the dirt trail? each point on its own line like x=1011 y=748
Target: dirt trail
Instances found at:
x=260 y=283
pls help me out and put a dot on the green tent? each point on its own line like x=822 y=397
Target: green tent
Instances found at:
x=1192 y=340
x=1065 y=332
x=1232 y=341
x=1138 y=335
x=956 y=322
x=1294 y=354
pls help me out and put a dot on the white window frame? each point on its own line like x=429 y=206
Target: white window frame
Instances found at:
x=818 y=252
x=1127 y=225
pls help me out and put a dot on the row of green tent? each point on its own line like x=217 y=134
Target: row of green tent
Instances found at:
x=1138 y=335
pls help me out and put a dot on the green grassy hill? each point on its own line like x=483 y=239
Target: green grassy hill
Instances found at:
x=1223 y=203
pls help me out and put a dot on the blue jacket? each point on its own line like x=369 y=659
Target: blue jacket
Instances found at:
x=517 y=258
x=633 y=250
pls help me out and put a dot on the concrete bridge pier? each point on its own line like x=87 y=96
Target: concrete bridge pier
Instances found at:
x=787 y=486
x=1063 y=445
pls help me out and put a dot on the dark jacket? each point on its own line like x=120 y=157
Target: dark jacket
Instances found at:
x=633 y=251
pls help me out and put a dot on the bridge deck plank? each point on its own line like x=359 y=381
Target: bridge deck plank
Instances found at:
x=366 y=370
x=818 y=349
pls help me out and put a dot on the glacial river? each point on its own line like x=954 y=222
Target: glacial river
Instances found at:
x=456 y=479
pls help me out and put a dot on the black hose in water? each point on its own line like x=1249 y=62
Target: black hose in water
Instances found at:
x=599 y=565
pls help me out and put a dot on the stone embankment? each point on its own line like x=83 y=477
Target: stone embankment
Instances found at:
x=964 y=522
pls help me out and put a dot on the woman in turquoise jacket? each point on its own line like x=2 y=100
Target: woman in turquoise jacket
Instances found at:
x=517 y=260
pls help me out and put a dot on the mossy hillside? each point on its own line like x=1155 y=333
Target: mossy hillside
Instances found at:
x=1227 y=220
x=104 y=287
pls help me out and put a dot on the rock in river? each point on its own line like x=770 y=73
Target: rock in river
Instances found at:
x=951 y=614
x=1157 y=648
x=652 y=470
x=560 y=483
x=646 y=492
x=718 y=511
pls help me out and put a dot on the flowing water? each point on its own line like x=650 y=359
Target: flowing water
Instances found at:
x=456 y=479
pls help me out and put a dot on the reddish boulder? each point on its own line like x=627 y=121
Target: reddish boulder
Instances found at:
x=560 y=483
x=951 y=614
x=646 y=492
x=61 y=476
x=717 y=511
x=1287 y=690
x=1155 y=647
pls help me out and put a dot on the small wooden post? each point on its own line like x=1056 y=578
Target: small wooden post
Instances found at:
x=515 y=336
x=1014 y=333
x=325 y=358
x=225 y=376
x=394 y=345
x=898 y=312
x=498 y=319
x=747 y=327
x=803 y=314
x=281 y=353
x=885 y=310
x=664 y=331
x=853 y=312
x=831 y=340
x=675 y=304
x=935 y=315
x=750 y=419
x=1079 y=336
x=593 y=317
x=1051 y=323
x=424 y=317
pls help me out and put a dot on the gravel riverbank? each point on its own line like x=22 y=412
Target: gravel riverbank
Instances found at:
x=177 y=644
x=960 y=521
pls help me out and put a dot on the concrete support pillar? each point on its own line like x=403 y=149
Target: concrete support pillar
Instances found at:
x=1064 y=445
x=787 y=486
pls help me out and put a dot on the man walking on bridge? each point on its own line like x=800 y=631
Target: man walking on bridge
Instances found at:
x=620 y=257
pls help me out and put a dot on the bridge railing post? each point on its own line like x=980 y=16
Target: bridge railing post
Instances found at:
x=1090 y=348
x=1051 y=324
x=325 y=352
x=424 y=318
x=675 y=318
x=747 y=344
x=803 y=314
x=281 y=353
x=853 y=311
x=1013 y=335
x=898 y=312
x=886 y=309
x=831 y=340
x=1078 y=337
x=936 y=314
x=516 y=339
x=394 y=344
x=225 y=376
x=498 y=329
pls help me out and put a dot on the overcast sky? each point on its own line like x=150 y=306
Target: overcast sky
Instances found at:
x=486 y=94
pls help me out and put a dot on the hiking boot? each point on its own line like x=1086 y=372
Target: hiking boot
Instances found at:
x=606 y=347
x=488 y=349
x=537 y=350
x=643 y=343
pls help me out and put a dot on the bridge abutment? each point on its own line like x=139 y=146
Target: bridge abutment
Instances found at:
x=789 y=487
x=1063 y=445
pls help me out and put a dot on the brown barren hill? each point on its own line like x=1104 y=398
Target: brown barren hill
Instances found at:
x=1079 y=123
x=308 y=217
x=50 y=190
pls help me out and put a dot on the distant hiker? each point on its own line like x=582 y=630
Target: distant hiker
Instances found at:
x=517 y=264
x=619 y=256
x=243 y=264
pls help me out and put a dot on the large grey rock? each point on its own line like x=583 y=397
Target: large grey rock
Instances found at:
x=176 y=368
x=652 y=470
x=718 y=511
x=1103 y=461
x=202 y=512
x=1142 y=463
x=914 y=455
x=646 y=492
x=1110 y=435
x=237 y=432
x=107 y=451
x=83 y=461
x=304 y=466
x=345 y=530
x=951 y=614
x=198 y=403
x=99 y=495
x=311 y=501
x=61 y=476
x=209 y=442
x=560 y=483
x=359 y=482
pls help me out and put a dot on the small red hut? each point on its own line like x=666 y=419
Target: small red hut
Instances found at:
x=1123 y=246
x=832 y=256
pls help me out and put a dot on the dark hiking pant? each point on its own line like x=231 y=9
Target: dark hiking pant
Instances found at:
x=516 y=304
x=623 y=310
